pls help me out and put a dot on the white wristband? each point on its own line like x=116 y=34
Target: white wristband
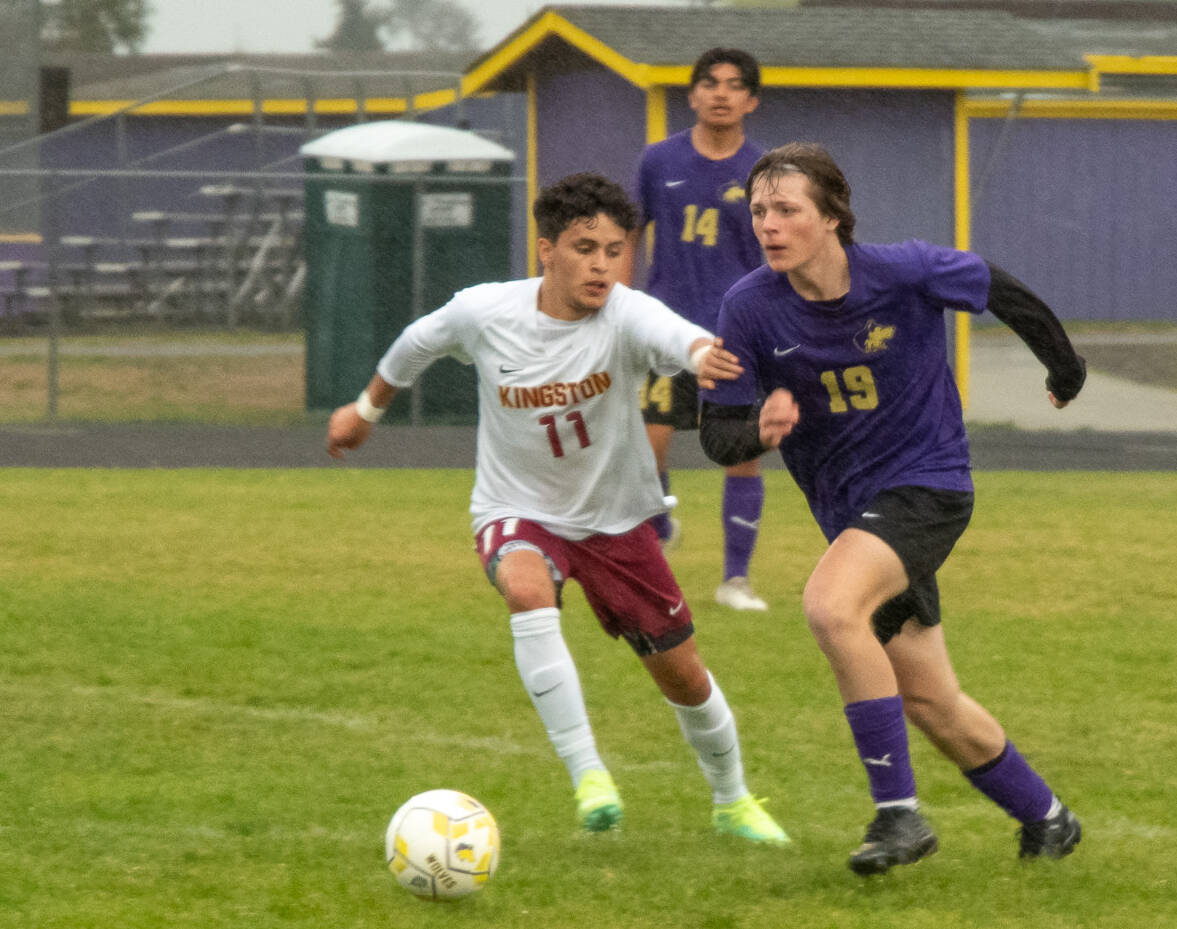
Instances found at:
x=696 y=361
x=366 y=409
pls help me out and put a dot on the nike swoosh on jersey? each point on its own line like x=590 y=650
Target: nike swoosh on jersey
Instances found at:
x=782 y=352
x=675 y=183
x=678 y=606
x=503 y=369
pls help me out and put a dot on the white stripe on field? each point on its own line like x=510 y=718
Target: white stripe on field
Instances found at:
x=374 y=723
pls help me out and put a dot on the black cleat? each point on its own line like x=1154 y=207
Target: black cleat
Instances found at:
x=1054 y=837
x=898 y=835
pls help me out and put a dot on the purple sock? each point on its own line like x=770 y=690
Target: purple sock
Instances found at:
x=1010 y=782
x=743 y=500
x=880 y=732
x=661 y=522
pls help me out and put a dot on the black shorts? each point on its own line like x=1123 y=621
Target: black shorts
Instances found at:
x=671 y=401
x=921 y=525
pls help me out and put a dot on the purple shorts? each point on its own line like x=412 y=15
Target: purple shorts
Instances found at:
x=625 y=578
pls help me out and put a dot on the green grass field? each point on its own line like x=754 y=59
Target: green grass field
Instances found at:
x=218 y=685
x=238 y=378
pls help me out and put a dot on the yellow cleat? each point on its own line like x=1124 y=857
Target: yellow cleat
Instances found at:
x=598 y=805
x=747 y=819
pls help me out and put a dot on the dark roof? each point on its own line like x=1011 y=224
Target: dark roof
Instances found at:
x=837 y=37
x=231 y=77
x=1051 y=9
x=815 y=37
x=867 y=37
x=820 y=34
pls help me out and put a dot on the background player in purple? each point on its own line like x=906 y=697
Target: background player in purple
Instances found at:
x=846 y=344
x=565 y=485
x=691 y=187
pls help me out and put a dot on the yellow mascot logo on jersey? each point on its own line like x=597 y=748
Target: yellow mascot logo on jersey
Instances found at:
x=733 y=192
x=873 y=338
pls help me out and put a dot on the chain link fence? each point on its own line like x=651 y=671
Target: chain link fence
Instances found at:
x=154 y=270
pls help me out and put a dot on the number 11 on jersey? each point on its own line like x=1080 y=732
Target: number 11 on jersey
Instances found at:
x=577 y=420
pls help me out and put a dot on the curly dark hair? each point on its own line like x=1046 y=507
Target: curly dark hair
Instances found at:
x=827 y=184
x=581 y=196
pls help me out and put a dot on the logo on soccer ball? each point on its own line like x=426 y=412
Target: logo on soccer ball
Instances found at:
x=442 y=845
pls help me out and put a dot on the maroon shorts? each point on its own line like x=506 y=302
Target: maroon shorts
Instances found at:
x=625 y=578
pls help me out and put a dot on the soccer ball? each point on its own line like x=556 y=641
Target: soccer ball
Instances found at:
x=442 y=845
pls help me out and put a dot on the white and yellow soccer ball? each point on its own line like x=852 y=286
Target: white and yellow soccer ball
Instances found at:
x=442 y=845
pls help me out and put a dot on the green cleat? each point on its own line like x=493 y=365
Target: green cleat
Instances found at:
x=747 y=819
x=598 y=805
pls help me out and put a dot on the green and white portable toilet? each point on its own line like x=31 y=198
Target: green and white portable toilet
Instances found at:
x=399 y=216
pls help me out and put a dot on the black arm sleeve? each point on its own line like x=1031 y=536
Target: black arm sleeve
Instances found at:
x=730 y=434
x=1018 y=307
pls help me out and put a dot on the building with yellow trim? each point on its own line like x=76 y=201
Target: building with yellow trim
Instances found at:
x=1045 y=144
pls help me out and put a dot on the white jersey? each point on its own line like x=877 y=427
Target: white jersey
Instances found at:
x=560 y=437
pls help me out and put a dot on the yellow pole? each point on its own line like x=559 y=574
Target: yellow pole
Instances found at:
x=963 y=221
x=655 y=132
x=655 y=114
x=532 y=173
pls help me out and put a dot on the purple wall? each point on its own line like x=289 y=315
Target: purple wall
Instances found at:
x=1083 y=210
x=589 y=121
x=895 y=148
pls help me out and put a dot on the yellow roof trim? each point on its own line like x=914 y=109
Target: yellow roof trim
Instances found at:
x=1073 y=109
x=1128 y=64
x=671 y=75
x=548 y=25
x=275 y=107
x=435 y=99
x=927 y=78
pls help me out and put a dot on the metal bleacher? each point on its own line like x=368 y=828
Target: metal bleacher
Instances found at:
x=230 y=255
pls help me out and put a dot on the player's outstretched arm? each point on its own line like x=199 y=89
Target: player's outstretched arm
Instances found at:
x=712 y=362
x=351 y=424
x=1026 y=314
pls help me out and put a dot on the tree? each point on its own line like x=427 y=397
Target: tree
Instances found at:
x=356 y=30
x=414 y=25
x=95 y=25
x=433 y=25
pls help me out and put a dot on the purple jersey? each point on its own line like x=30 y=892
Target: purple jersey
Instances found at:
x=703 y=238
x=879 y=407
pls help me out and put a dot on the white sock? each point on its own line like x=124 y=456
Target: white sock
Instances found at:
x=546 y=669
x=710 y=729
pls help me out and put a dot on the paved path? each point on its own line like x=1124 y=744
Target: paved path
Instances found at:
x=163 y=446
x=1113 y=425
x=1007 y=386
